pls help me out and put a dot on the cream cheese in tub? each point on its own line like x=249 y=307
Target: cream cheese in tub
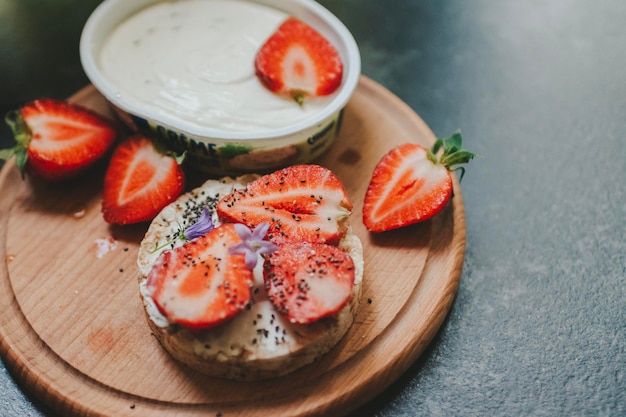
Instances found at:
x=194 y=60
x=202 y=98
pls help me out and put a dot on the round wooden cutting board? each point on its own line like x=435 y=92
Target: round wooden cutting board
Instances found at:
x=72 y=328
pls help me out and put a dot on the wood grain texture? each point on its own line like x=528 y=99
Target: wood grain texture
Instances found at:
x=74 y=334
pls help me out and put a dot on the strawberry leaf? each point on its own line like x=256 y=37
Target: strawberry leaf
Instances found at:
x=453 y=153
x=453 y=143
x=458 y=157
x=7 y=154
x=462 y=172
x=22 y=135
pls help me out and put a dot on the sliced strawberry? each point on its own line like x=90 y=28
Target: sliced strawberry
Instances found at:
x=298 y=61
x=301 y=203
x=411 y=184
x=200 y=284
x=306 y=282
x=57 y=140
x=139 y=182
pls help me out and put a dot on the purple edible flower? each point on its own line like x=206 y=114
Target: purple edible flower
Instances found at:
x=203 y=225
x=252 y=243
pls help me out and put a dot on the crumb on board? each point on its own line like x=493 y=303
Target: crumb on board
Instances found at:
x=104 y=246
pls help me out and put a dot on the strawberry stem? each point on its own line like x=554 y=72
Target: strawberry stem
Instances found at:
x=298 y=96
x=452 y=153
x=22 y=135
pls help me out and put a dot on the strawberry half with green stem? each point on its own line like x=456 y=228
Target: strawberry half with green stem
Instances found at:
x=300 y=202
x=411 y=184
x=200 y=284
x=57 y=140
x=298 y=61
x=308 y=281
x=140 y=181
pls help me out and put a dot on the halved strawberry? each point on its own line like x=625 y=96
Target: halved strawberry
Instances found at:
x=411 y=184
x=298 y=61
x=306 y=282
x=301 y=202
x=139 y=182
x=57 y=140
x=200 y=284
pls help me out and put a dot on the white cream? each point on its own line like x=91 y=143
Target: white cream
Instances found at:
x=194 y=61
